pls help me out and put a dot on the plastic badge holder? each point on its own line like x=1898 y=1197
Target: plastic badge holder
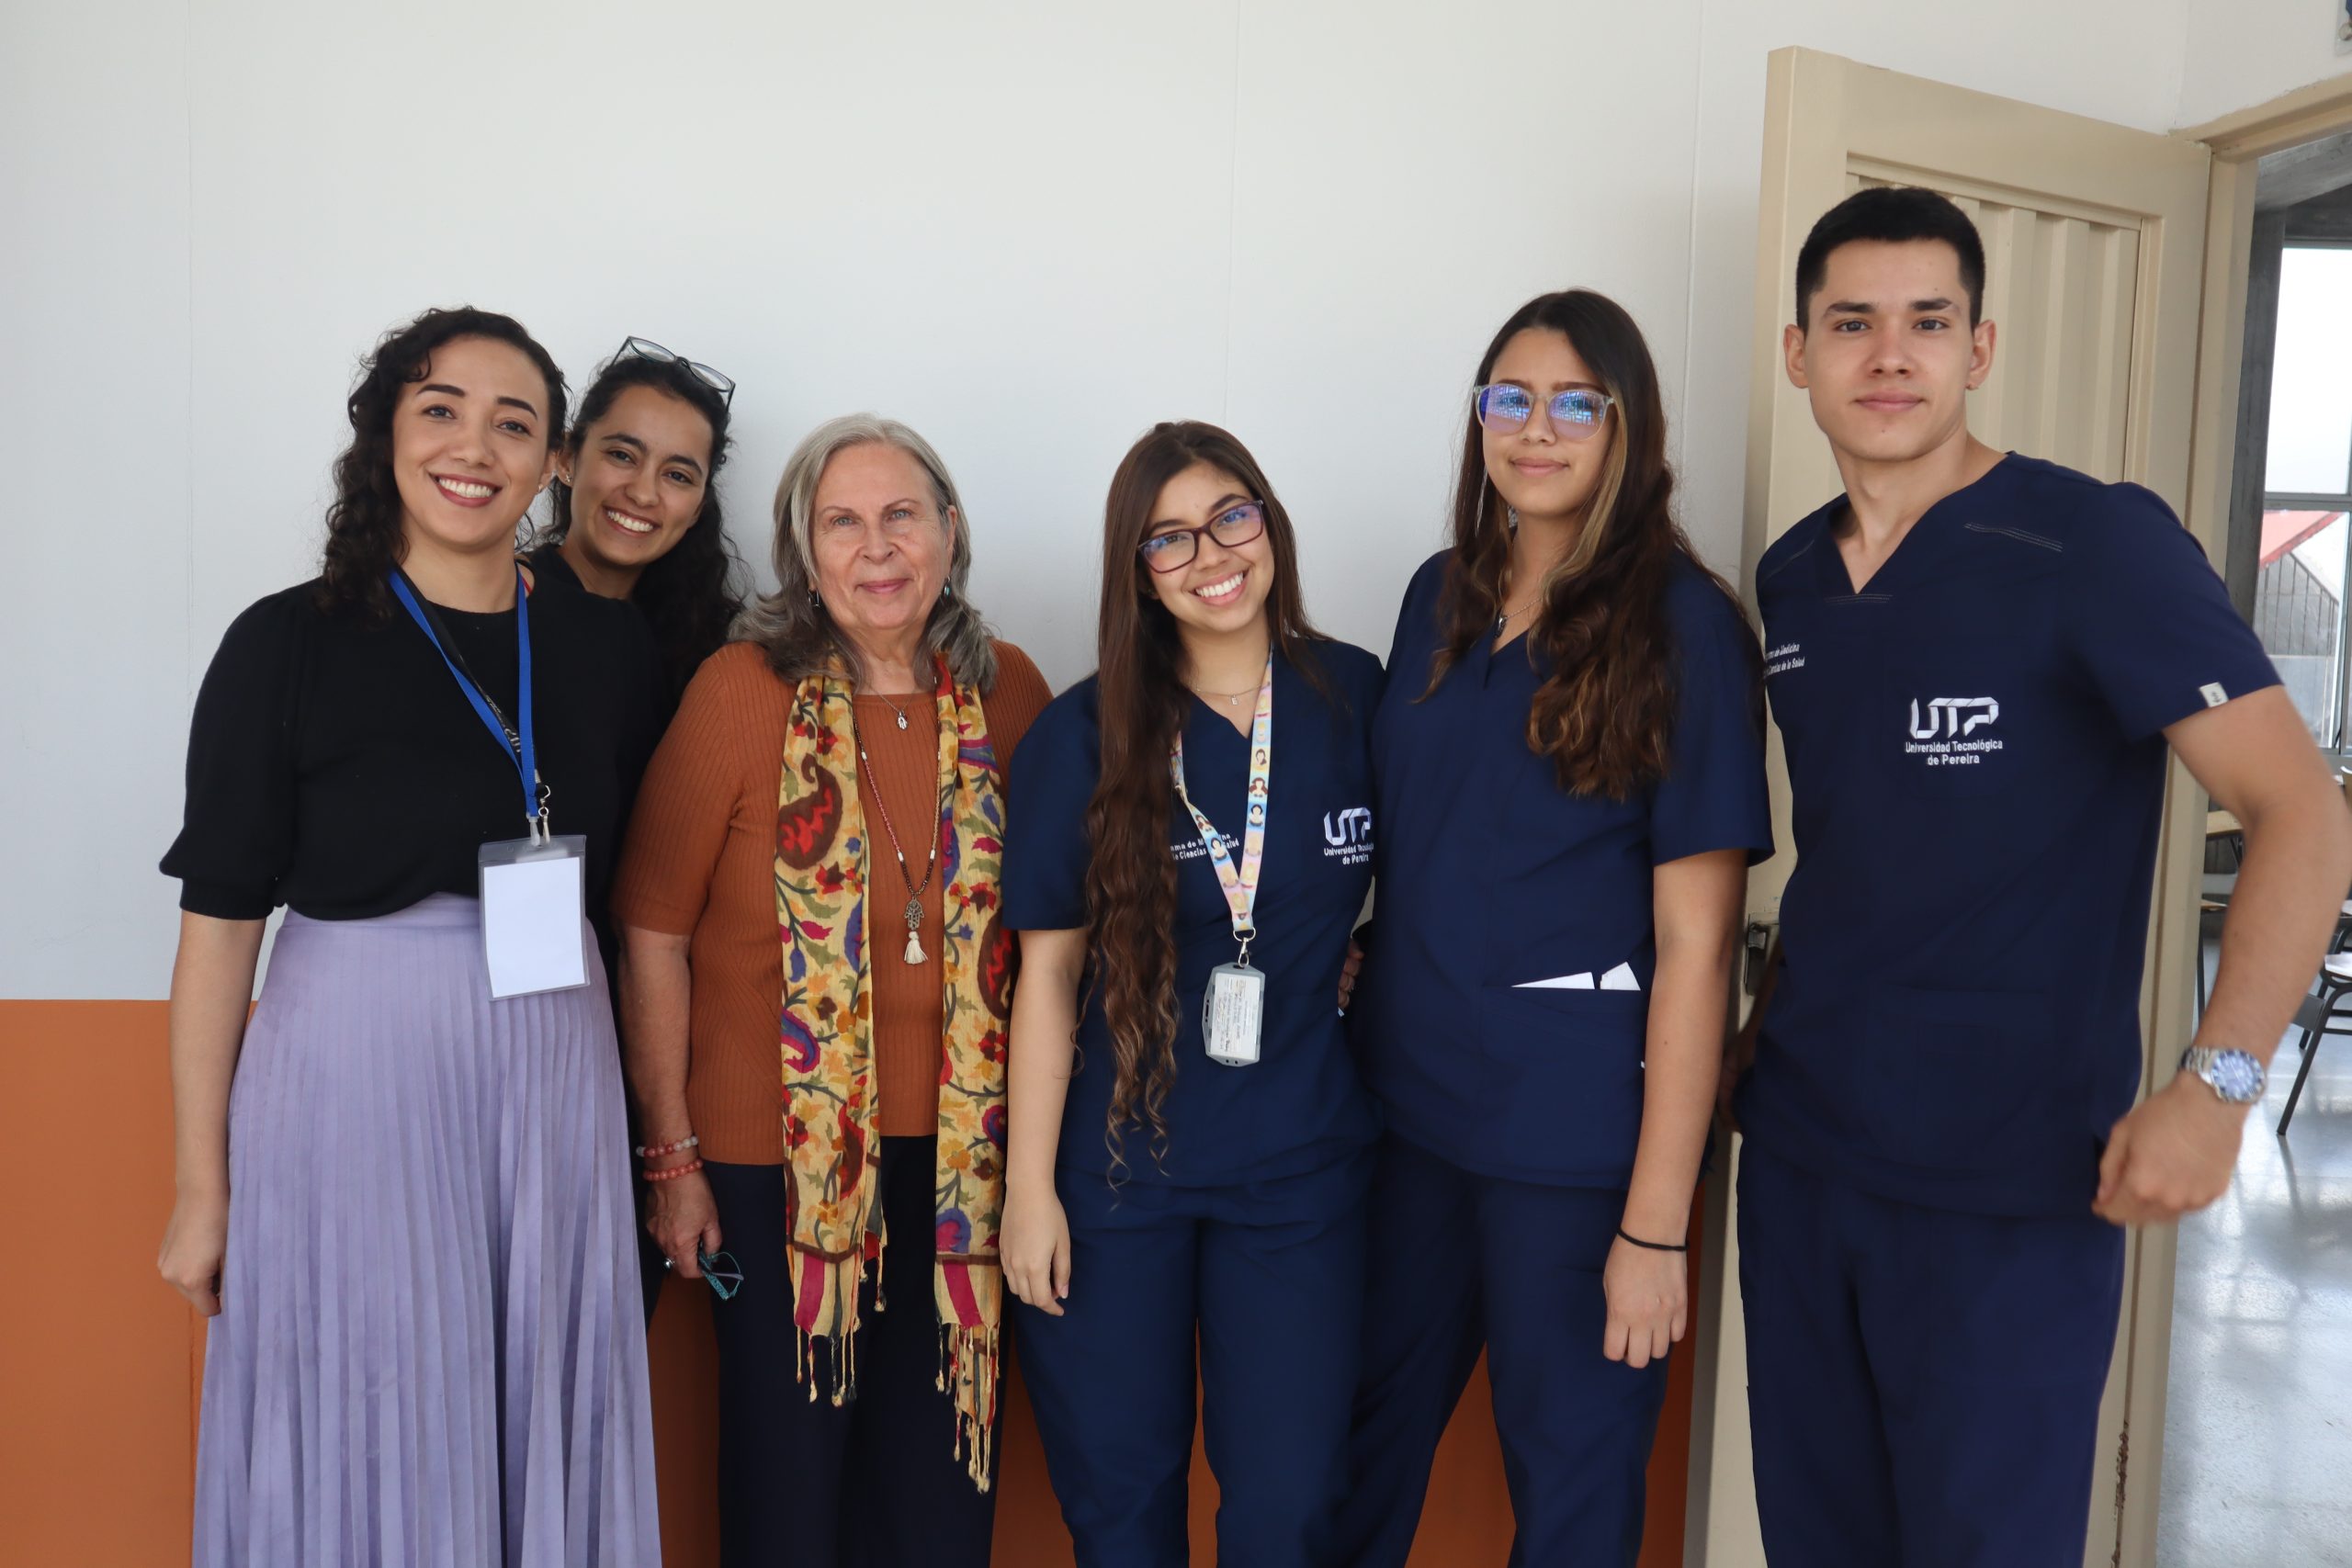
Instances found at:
x=1231 y=1012
x=534 y=913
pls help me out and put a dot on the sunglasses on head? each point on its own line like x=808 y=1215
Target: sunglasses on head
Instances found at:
x=645 y=348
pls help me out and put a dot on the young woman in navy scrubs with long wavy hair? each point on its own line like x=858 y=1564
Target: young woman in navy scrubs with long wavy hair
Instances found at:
x=1212 y=778
x=1570 y=791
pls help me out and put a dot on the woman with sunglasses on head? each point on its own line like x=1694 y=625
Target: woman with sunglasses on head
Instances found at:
x=636 y=518
x=637 y=511
x=404 y=1196
x=1573 y=725
x=816 y=995
x=1191 y=842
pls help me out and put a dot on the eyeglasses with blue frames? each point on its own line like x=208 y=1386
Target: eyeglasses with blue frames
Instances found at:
x=1575 y=413
x=1171 y=549
x=719 y=1270
x=645 y=348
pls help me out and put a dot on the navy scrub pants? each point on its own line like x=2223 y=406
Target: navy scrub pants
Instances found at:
x=1923 y=1385
x=1514 y=1268
x=874 y=1482
x=1267 y=1276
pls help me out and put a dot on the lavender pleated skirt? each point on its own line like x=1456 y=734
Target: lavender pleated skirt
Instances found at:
x=431 y=1347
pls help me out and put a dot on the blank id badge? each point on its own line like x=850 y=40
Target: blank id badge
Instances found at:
x=534 y=907
x=1231 y=1012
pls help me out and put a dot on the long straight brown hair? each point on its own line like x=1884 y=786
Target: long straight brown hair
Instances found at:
x=1605 y=715
x=1139 y=682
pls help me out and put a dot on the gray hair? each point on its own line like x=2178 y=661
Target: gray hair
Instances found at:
x=791 y=624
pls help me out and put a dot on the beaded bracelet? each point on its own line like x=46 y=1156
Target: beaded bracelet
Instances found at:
x=673 y=1172
x=648 y=1151
x=1651 y=1246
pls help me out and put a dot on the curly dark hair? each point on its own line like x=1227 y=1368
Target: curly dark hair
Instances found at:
x=1605 y=715
x=1142 y=700
x=692 y=594
x=363 y=542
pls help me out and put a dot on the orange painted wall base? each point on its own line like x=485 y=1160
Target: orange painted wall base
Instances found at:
x=100 y=1364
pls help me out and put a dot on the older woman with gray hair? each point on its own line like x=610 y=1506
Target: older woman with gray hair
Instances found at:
x=811 y=879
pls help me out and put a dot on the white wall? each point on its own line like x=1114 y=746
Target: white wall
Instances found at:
x=1028 y=228
x=2243 y=52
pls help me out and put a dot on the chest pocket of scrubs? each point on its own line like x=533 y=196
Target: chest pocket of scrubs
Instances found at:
x=1959 y=1079
x=1566 y=1073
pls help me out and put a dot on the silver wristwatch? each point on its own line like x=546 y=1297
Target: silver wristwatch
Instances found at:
x=2236 y=1076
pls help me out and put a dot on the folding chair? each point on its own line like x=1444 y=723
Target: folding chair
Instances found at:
x=2315 y=1019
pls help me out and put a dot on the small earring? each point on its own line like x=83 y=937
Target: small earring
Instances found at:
x=947 y=590
x=816 y=600
x=1511 y=518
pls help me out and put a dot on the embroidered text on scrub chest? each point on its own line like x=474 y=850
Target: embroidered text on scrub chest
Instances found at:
x=1346 y=835
x=1947 y=738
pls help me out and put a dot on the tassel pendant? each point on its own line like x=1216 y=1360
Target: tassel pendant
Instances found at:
x=914 y=948
x=914 y=924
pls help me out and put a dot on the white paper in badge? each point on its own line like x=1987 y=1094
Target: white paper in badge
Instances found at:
x=1231 y=1012
x=533 y=900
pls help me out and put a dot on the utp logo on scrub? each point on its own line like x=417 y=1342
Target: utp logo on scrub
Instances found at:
x=1344 y=828
x=1944 y=716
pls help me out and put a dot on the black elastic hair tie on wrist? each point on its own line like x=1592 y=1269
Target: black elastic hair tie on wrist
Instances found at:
x=1651 y=1246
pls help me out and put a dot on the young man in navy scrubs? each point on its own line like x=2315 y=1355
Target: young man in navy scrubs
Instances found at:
x=1978 y=662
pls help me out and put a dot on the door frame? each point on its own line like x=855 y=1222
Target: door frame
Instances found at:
x=2237 y=141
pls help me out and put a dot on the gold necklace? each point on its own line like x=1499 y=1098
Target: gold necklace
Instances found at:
x=1232 y=699
x=914 y=953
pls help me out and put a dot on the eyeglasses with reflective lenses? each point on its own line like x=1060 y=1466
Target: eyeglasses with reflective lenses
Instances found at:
x=1575 y=413
x=645 y=348
x=1175 y=548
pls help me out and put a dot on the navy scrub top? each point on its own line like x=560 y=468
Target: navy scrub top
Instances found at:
x=1976 y=764
x=1493 y=878
x=1302 y=1104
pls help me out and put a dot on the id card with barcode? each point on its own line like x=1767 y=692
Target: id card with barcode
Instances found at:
x=1231 y=1013
x=533 y=905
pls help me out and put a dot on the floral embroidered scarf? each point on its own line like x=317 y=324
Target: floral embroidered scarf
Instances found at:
x=829 y=1086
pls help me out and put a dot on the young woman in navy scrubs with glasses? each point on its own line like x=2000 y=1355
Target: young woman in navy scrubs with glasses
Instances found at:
x=1190 y=844
x=1570 y=789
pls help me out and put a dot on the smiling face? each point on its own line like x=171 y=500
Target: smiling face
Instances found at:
x=471 y=447
x=1539 y=469
x=1887 y=355
x=882 y=546
x=1222 y=588
x=639 y=479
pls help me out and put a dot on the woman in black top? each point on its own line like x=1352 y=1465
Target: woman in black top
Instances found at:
x=404 y=1201
x=636 y=518
x=636 y=513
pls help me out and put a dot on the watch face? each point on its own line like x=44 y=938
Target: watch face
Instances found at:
x=2237 y=1075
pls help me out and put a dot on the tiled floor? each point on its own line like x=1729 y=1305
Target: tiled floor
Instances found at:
x=2258 y=1423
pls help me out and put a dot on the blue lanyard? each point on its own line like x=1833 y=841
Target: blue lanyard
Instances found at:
x=516 y=742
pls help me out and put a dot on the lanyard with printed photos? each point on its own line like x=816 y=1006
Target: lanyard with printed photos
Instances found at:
x=532 y=892
x=1235 y=1003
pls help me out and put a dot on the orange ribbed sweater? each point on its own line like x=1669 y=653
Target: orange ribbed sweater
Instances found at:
x=700 y=863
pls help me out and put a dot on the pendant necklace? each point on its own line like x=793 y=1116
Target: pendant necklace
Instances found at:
x=893 y=707
x=914 y=953
x=1232 y=699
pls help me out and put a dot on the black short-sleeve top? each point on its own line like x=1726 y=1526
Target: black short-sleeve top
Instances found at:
x=334 y=767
